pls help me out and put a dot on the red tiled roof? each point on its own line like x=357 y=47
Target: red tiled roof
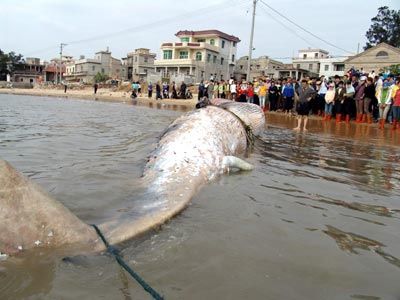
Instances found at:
x=208 y=32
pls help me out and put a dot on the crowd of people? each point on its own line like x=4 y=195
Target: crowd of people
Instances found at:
x=163 y=91
x=364 y=98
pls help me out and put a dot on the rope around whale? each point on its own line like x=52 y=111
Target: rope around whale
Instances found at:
x=115 y=252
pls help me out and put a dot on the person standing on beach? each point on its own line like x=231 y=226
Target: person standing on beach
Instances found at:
x=348 y=101
x=210 y=89
x=95 y=86
x=201 y=90
x=329 y=98
x=305 y=93
x=288 y=94
x=65 y=87
x=158 y=91
x=150 y=90
x=359 y=98
x=396 y=104
x=369 y=97
x=273 y=95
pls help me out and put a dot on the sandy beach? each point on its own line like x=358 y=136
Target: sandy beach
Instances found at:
x=103 y=94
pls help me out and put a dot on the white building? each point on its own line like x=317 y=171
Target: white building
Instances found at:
x=310 y=59
x=199 y=55
x=332 y=66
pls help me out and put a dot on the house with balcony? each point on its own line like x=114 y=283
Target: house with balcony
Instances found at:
x=30 y=72
x=199 y=55
x=262 y=66
x=85 y=69
x=139 y=64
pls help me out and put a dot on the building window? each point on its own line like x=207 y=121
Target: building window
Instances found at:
x=201 y=40
x=146 y=59
x=183 y=54
x=188 y=72
x=214 y=59
x=326 y=67
x=167 y=54
x=233 y=57
x=223 y=44
x=298 y=66
x=102 y=70
x=305 y=55
x=241 y=67
x=310 y=66
x=257 y=67
x=212 y=42
x=198 y=56
x=234 y=44
x=382 y=54
x=208 y=57
x=135 y=58
x=93 y=68
x=222 y=60
x=185 y=40
x=315 y=55
x=339 y=67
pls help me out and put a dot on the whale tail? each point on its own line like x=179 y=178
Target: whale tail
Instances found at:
x=31 y=218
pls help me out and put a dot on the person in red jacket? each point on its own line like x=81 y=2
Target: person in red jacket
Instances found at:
x=250 y=93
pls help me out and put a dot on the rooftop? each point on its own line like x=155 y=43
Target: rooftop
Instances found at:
x=313 y=50
x=209 y=32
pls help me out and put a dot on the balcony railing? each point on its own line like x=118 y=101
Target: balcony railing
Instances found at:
x=191 y=45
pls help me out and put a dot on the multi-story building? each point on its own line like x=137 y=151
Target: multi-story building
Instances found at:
x=199 y=55
x=310 y=59
x=374 y=59
x=29 y=72
x=262 y=66
x=85 y=69
x=139 y=64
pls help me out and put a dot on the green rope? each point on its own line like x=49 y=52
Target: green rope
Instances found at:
x=114 y=252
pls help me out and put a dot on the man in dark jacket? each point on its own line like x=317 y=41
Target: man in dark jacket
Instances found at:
x=304 y=93
x=183 y=90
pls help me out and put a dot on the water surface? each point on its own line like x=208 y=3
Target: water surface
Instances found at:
x=318 y=218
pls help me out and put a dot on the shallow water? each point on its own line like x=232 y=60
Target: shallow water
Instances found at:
x=318 y=218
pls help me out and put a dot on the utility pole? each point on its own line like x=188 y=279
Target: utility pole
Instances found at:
x=61 y=51
x=358 y=48
x=251 y=39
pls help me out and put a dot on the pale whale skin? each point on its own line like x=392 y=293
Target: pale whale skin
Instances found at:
x=188 y=155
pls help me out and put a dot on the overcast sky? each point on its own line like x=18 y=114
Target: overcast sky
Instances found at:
x=36 y=28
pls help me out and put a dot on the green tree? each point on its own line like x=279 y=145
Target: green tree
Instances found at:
x=385 y=27
x=393 y=69
x=8 y=63
x=100 y=77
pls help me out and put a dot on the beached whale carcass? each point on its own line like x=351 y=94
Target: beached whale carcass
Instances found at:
x=196 y=147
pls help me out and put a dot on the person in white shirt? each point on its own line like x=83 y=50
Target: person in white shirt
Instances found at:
x=232 y=88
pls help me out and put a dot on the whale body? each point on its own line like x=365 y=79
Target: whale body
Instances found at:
x=196 y=148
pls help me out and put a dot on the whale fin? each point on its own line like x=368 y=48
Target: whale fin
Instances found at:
x=233 y=162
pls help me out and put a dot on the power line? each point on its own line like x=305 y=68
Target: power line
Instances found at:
x=147 y=26
x=160 y=22
x=287 y=27
x=302 y=28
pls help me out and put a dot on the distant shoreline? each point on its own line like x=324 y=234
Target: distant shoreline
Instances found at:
x=105 y=95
